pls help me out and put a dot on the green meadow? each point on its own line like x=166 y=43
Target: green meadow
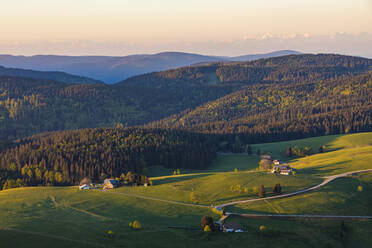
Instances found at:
x=67 y=217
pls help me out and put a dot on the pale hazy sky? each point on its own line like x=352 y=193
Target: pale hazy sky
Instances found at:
x=230 y=27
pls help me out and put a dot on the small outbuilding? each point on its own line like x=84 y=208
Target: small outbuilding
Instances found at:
x=111 y=184
x=283 y=169
x=85 y=187
x=276 y=162
x=86 y=184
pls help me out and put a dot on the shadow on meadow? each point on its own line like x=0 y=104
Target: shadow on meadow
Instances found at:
x=180 y=178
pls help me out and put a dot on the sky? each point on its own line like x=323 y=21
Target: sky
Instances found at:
x=214 y=27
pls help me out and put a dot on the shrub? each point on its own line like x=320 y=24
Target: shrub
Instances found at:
x=360 y=188
x=207 y=229
x=261 y=191
x=236 y=170
x=321 y=149
x=136 y=225
x=207 y=221
x=110 y=233
x=277 y=189
x=216 y=211
x=262 y=228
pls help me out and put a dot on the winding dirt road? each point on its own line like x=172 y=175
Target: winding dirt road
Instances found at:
x=326 y=181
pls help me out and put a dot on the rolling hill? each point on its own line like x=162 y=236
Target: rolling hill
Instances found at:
x=113 y=69
x=29 y=106
x=36 y=216
x=267 y=112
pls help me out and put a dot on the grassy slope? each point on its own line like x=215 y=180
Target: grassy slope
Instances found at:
x=87 y=216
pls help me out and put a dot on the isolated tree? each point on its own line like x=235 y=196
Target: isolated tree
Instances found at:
x=321 y=149
x=277 y=190
x=122 y=176
x=288 y=152
x=261 y=191
x=223 y=211
x=207 y=228
x=207 y=221
x=136 y=225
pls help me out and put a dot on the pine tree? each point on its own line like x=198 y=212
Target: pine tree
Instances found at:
x=261 y=191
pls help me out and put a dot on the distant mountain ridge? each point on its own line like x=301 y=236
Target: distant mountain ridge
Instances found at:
x=114 y=69
x=50 y=75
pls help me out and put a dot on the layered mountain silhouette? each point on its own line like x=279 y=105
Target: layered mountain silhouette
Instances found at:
x=277 y=98
x=113 y=69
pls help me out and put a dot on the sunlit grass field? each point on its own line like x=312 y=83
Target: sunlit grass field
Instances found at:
x=67 y=217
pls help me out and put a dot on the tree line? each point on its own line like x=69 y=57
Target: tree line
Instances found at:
x=65 y=157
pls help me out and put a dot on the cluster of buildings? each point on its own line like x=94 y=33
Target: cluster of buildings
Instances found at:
x=275 y=166
x=282 y=168
x=86 y=184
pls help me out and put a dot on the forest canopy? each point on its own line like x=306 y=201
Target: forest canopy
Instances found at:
x=66 y=157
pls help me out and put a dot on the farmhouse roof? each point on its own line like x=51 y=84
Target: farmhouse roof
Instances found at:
x=112 y=181
x=232 y=225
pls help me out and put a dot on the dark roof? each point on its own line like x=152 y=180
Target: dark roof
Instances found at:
x=232 y=225
x=112 y=181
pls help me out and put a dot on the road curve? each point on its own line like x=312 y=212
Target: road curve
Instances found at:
x=299 y=217
x=326 y=181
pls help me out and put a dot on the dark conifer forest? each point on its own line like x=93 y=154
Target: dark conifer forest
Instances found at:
x=64 y=158
x=269 y=112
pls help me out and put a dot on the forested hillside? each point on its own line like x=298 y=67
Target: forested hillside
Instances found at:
x=52 y=75
x=30 y=106
x=64 y=158
x=268 y=112
x=286 y=69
